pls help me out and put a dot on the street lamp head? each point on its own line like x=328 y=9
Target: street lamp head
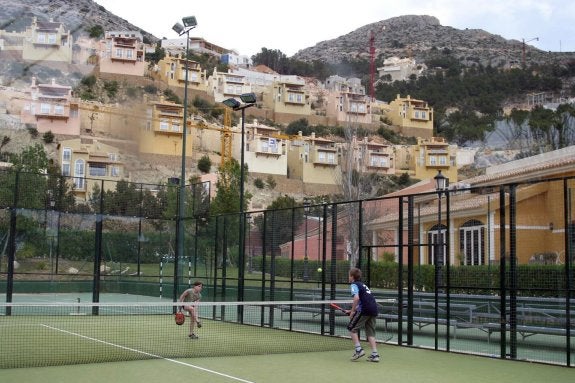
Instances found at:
x=441 y=182
x=232 y=103
x=190 y=21
x=248 y=98
x=178 y=28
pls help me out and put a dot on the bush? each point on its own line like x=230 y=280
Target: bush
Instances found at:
x=48 y=137
x=205 y=164
x=32 y=130
x=271 y=182
x=259 y=183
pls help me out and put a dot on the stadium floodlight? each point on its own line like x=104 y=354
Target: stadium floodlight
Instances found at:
x=248 y=99
x=189 y=24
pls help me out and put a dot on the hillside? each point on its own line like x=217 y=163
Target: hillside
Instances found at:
x=77 y=15
x=423 y=36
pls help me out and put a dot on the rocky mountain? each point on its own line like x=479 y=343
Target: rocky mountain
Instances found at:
x=77 y=15
x=421 y=37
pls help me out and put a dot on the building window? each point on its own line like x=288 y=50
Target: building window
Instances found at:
x=472 y=243
x=59 y=110
x=321 y=156
x=331 y=158
x=164 y=125
x=66 y=170
x=41 y=38
x=119 y=52
x=442 y=160
x=45 y=108
x=436 y=239
x=129 y=53
x=115 y=171
x=175 y=127
x=97 y=170
x=264 y=147
x=79 y=173
x=66 y=155
x=113 y=156
x=432 y=160
x=52 y=38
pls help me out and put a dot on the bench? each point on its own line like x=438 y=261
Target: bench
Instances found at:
x=524 y=330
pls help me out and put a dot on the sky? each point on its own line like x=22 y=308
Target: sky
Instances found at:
x=290 y=26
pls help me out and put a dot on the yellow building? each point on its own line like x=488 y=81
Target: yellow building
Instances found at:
x=224 y=85
x=314 y=160
x=90 y=163
x=47 y=41
x=122 y=52
x=535 y=196
x=163 y=131
x=287 y=97
x=172 y=70
x=431 y=155
x=347 y=101
x=413 y=117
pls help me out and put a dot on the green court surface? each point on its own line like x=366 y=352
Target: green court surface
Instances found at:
x=398 y=365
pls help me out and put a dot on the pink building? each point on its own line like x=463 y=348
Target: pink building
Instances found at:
x=51 y=107
x=122 y=53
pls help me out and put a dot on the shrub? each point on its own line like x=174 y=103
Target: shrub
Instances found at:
x=271 y=182
x=205 y=164
x=259 y=183
x=48 y=137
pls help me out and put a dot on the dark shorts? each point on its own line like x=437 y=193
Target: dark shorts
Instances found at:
x=359 y=321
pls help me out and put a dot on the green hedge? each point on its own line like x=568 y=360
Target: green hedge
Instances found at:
x=532 y=280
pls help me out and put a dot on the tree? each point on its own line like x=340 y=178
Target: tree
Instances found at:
x=204 y=164
x=227 y=199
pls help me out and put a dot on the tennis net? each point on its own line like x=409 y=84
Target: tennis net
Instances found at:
x=34 y=335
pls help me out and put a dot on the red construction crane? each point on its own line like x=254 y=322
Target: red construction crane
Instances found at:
x=372 y=65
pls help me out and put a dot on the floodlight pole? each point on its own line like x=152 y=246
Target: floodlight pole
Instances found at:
x=189 y=24
x=249 y=100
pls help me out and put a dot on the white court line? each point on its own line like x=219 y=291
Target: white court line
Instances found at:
x=149 y=354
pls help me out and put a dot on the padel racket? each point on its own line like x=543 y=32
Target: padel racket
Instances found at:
x=180 y=318
x=339 y=308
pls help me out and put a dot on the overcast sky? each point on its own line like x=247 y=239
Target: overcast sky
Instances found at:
x=248 y=26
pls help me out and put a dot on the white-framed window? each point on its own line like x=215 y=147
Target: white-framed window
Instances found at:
x=164 y=125
x=119 y=52
x=97 y=170
x=41 y=38
x=113 y=156
x=321 y=156
x=66 y=155
x=66 y=170
x=331 y=158
x=436 y=238
x=45 y=108
x=59 y=109
x=264 y=146
x=432 y=160
x=472 y=243
x=175 y=127
x=129 y=53
x=52 y=38
x=442 y=160
x=79 y=173
x=115 y=171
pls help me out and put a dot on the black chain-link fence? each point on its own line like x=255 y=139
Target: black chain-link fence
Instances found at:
x=486 y=270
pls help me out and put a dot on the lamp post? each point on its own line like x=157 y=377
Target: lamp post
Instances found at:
x=441 y=184
x=306 y=204
x=189 y=24
x=248 y=100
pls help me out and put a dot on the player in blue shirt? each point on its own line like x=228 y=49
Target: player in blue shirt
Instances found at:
x=363 y=314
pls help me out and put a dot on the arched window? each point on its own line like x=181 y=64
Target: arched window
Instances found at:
x=472 y=243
